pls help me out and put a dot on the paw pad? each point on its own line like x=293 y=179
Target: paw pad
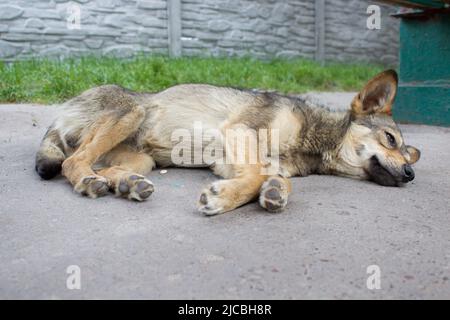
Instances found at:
x=135 y=187
x=273 y=196
x=93 y=186
x=212 y=201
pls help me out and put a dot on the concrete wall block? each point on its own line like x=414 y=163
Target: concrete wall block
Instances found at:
x=114 y=21
x=20 y=37
x=282 y=12
x=251 y=11
x=56 y=51
x=234 y=44
x=219 y=25
x=348 y=38
x=153 y=33
x=156 y=43
x=304 y=19
x=108 y=3
x=193 y=16
x=44 y=13
x=192 y=44
x=93 y=43
x=35 y=23
x=151 y=4
x=263 y=28
x=74 y=44
x=120 y=51
x=9 y=12
x=9 y=50
x=145 y=21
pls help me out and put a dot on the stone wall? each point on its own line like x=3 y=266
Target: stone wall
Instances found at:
x=348 y=39
x=30 y=28
x=263 y=28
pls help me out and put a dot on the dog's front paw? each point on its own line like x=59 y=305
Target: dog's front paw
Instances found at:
x=134 y=187
x=213 y=199
x=274 y=194
x=92 y=186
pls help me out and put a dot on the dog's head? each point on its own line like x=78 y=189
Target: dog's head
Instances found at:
x=374 y=148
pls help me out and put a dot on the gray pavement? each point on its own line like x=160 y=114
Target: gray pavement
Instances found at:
x=320 y=247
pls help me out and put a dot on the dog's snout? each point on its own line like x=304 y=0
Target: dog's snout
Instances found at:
x=408 y=173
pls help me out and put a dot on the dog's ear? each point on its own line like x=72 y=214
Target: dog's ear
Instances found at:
x=377 y=96
x=414 y=154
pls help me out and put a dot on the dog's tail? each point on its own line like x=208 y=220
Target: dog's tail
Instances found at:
x=50 y=155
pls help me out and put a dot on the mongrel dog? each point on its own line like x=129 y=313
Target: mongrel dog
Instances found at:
x=109 y=138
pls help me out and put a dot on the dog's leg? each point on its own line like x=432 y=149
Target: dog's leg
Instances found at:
x=225 y=195
x=244 y=181
x=104 y=135
x=127 y=173
x=274 y=193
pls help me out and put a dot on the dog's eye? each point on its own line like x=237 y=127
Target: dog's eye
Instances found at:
x=390 y=139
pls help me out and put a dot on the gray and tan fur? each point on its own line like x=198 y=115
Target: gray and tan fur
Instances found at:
x=109 y=138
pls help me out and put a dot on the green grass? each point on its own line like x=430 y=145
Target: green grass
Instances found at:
x=50 y=81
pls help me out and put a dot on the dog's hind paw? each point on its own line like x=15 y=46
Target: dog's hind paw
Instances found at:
x=92 y=186
x=134 y=187
x=274 y=194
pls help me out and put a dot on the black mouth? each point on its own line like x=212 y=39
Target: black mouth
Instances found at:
x=381 y=175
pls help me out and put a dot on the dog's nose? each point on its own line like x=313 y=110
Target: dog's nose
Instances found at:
x=408 y=173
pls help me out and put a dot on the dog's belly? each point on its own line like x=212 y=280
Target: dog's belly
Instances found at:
x=189 y=116
x=186 y=147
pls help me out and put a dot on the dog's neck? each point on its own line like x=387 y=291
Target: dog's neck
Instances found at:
x=337 y=135
x=322 y=130
x=319 y=140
